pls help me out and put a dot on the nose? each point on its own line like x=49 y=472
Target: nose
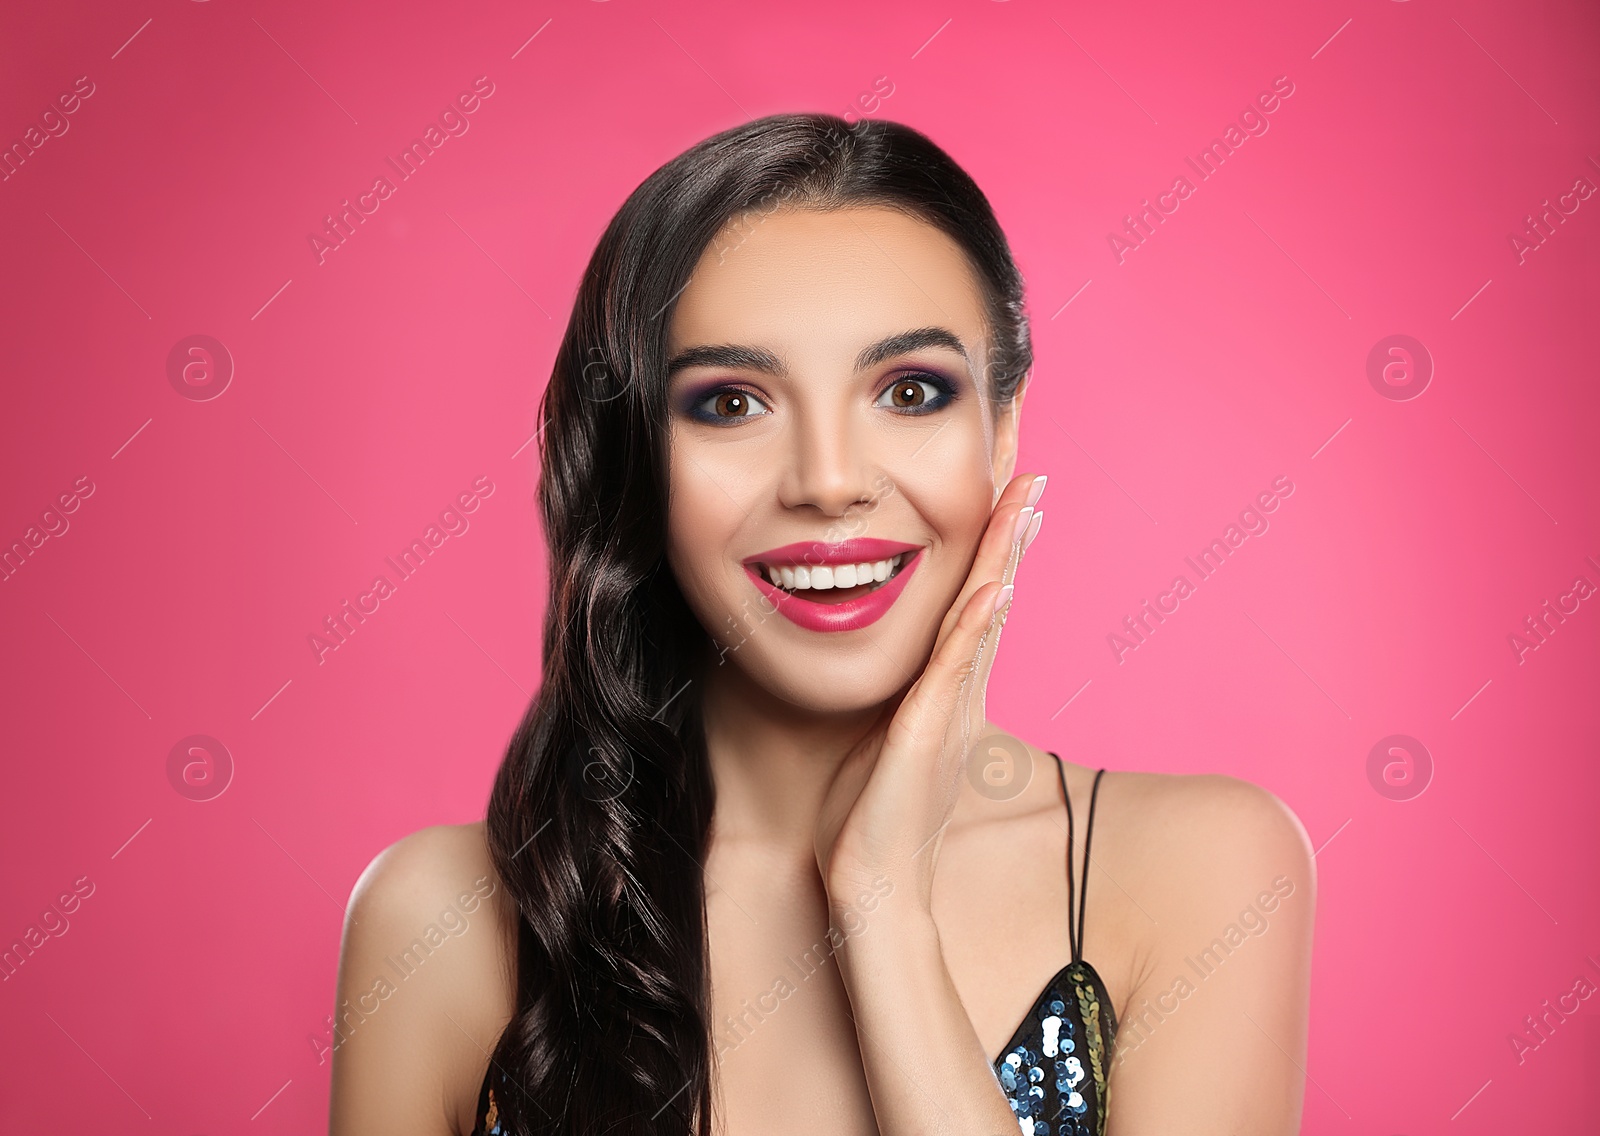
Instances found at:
x=827 y=466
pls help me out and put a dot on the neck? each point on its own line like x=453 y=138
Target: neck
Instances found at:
x=772 y=761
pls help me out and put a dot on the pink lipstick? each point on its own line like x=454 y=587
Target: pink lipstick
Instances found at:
x=851 y=614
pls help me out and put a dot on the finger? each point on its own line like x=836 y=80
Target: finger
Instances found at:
x=942 y=688
x=1024 y=533
x=987 y=649
x=1018 y=551
x=973 y=712
x=988 y=645
x=993 y=560
x=974 y=707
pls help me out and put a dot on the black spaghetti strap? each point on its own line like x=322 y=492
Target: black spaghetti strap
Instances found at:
x=1072 y=935
x=1077 y=898
x=1088 y=835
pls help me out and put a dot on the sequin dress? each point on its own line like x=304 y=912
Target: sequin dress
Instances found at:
x=1055 y=1067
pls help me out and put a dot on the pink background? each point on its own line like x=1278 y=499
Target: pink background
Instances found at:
x=373 y=388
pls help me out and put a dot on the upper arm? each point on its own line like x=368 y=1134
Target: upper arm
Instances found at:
x=1213 y=1038
x=423 y=986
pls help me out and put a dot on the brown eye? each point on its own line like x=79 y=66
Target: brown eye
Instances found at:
x=906 y=393
x=727 y=406
x=731 y=404
x=921 y=393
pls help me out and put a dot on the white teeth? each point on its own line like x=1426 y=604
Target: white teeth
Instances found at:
x=822 y=577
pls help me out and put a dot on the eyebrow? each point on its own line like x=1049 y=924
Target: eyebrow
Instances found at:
x=759 y=359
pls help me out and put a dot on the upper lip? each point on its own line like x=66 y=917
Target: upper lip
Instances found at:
x=857 y=550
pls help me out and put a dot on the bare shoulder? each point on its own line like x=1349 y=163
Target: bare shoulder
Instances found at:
x=1193 y=854
x=1210 y=820
x=1216 y=906
x=1213 y=838
x=434 y=862
x=425 y=985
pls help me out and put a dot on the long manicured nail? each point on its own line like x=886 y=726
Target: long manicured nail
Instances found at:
x=1024 y=518
x=1036 y=490
x=1033 y=529
x=1003 y=596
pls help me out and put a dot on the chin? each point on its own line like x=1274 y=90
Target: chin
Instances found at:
x=830 y=672
x=829 y=681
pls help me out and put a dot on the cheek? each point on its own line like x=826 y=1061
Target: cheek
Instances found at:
x=703 y=520
x=963 y=516
x=954 y=489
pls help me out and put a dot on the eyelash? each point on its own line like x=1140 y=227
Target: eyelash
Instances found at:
x=946 y=394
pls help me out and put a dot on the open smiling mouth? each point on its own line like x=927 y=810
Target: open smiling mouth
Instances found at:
x=827 y=588
x=833 y=583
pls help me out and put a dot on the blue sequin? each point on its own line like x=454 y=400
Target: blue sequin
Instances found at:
x=1054 y=1085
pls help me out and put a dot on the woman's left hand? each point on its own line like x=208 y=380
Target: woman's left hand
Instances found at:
x=885 y=813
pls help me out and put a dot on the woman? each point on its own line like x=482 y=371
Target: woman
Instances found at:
x=756 y=862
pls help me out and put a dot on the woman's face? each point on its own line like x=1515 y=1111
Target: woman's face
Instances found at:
x=828 y=411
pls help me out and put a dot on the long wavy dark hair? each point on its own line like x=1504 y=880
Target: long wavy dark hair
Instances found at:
x=599 y=815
